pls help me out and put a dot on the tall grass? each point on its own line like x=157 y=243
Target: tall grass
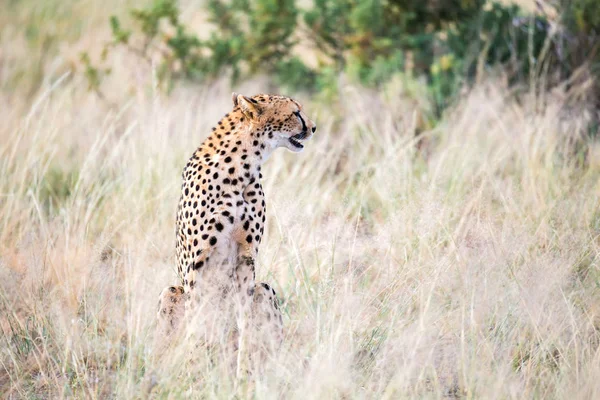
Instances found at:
x=461 y=262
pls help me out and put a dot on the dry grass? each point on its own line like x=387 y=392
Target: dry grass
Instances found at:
x=465 y=263
x=464 y=266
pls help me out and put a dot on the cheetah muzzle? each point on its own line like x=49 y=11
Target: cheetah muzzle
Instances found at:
x=304 y=135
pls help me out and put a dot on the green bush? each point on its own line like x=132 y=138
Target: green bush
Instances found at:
x=450 y=43
x=580 y=45
x=252 y=37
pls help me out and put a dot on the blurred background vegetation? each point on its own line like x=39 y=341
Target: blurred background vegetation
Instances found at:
x=436 y=47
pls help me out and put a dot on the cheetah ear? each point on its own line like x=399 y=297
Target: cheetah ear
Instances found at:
x=249 y=106
x=234 y=97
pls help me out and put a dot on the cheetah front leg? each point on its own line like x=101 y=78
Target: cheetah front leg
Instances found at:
x=267 y=322
x=259 y=319
x=248 y=236
x=244 y=276
x=171 y=311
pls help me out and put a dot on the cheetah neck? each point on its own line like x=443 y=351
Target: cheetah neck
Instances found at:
x=237 y=147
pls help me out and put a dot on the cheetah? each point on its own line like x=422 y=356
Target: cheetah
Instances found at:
x=220 y=223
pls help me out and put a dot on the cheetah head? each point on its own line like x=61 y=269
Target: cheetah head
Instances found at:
x=280 y=119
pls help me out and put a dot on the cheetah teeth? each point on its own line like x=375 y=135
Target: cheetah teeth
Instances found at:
x=296 y=143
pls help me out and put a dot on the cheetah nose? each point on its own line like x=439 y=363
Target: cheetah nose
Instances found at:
x=314 y=128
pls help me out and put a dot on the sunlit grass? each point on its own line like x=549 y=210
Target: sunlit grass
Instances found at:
x=461 y=262
x=455 y=261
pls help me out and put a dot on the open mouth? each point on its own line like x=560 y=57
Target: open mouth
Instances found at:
x=295 y=140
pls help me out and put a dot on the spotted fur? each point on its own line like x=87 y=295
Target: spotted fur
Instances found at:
x=221 y=217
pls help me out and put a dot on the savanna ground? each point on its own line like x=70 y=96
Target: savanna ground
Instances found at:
x=460 y=262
